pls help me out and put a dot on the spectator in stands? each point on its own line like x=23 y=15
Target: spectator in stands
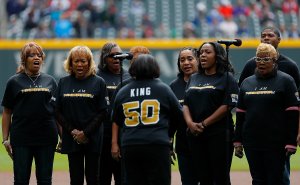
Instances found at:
x=290 y=6
x=15 y=7
x=81 y=108
x=189 y=30
x=29 y=129
x=240 y=9
x=271 y=35
x=228 y=27
x=268 y=17
x=294 y=32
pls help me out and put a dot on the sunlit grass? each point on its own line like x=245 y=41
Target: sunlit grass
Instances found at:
x=61 y=163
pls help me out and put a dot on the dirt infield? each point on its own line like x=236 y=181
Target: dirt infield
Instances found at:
x=62 y=178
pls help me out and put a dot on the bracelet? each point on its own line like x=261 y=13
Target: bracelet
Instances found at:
x=4 y=141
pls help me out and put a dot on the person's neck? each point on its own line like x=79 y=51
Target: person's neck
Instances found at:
x=186 y=77
x=115 y=71
x=210 y=72
x=30 y=73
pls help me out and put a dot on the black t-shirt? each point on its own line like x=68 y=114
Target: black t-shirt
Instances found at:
x=79 y=102
x=205 y=94
x=265 y=102
x=112 y=81
x=178 y=87
x=285 y=64
x=33 y=121
x=143 y=108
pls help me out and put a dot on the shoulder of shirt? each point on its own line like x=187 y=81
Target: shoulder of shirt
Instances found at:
x=284 y=75
x=284 y=58
x=176 y=80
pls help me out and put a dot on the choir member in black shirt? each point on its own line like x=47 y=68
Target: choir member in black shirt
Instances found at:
x=29 y=127
x=210 y=95
x=267 y=118
x=187 y=64
x=81 y=108
x=143 y=109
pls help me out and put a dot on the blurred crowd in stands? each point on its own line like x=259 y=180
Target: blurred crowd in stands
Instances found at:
x=149 y=18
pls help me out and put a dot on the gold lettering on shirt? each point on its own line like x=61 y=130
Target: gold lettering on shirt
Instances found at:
x=260 y=92
x=29 y=90
x=111 y=87
x=85 y=95
x=204 y=87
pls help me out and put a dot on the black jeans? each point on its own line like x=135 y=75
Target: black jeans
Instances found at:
x=186 y=169
x=212 y=157
x=22 y=161
x=147 y=164
x=108 y=166
x=83 y=164
x=266 y=166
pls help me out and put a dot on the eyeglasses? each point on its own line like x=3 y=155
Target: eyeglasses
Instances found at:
x=113 y=54
x=265 y=59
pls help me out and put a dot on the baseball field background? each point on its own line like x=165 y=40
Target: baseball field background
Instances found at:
x=166 y=53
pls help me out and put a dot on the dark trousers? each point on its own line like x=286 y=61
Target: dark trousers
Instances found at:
x=186 y=169
x=108 y=166
x=83 y=164
x=22 y=160
x=147 y=164
x=266 y=166
x=286 y=174
x=212 y=157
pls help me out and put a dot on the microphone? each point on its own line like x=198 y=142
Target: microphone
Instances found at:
x=236 y=42
x=122 y=56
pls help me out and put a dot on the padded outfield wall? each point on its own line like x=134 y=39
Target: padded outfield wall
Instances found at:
x=166 y=52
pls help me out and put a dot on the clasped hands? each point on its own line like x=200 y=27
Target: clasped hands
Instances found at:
x=196 y=128
x=79 y=137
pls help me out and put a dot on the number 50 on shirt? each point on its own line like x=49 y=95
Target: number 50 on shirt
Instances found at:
x=148 y=115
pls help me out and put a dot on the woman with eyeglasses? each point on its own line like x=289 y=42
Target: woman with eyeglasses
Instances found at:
x=29 y=129
x=110 y=71
x=187 y=64
x=267 y=118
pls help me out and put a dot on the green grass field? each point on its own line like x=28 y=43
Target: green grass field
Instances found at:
x=61 y=163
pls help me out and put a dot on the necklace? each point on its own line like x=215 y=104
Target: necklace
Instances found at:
x=33 y=80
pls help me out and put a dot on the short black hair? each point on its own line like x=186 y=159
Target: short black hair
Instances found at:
x=144 y=67
x=275 y=30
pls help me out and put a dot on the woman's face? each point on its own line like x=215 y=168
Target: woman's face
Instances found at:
x=113 y=65
x=208 y=58
x=33 y=62
x=188 y=62
x=80 y=66
x=264 y=63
